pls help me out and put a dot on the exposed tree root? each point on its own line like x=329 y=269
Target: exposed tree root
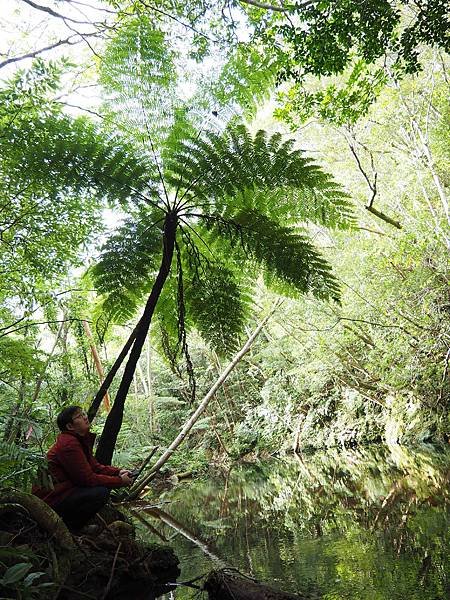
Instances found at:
x=110 y=565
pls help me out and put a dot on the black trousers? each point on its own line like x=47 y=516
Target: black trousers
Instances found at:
x=82 y=504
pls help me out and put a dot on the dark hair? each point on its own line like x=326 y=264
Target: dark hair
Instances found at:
x=66 y=416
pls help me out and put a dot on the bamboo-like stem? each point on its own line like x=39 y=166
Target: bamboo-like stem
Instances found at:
x=97 y=362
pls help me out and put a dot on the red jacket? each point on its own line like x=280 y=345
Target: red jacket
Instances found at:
x=71 y=464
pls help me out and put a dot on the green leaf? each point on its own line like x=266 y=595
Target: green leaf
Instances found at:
x=29 y=579
x=16 y=573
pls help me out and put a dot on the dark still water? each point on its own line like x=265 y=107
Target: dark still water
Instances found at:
x=370 y=524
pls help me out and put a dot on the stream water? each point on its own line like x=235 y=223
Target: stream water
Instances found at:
x=364 y=524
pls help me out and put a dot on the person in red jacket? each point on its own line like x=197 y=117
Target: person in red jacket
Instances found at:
x=81 y=485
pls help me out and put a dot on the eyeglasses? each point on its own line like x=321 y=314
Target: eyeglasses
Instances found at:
x=83 y=415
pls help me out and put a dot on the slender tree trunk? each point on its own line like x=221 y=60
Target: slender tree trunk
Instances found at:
x=143 y=381
x=111 y=374
x=97 y=361
x=11 y=426
x=114 y=420
x=40 y=379
x=200 y=409
x=151 y=405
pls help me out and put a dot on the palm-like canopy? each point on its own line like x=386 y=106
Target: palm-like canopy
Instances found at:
x=241 y=203
x=226 y=204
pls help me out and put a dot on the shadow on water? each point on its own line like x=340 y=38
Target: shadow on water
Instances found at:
x=359 y=524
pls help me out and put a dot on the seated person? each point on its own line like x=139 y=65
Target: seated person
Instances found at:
x=81 y=484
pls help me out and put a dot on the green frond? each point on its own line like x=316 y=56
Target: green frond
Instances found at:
x=128 y=265
x=165 y=335
x=218 y=167
x=218 y=306
x=139 y=76
x=57 y=155
x=286 y=254
x=245 y=80
x=19 y=465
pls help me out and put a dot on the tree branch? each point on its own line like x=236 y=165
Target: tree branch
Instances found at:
x=265 y=6
x=32 y=323
x=66 y=41
x=372 y=186
x=53 y=13
x=187 y=25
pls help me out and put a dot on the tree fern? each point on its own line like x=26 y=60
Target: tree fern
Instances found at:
x=219 y=166
x=225 y=204
x=58 y=155
x=127 y=265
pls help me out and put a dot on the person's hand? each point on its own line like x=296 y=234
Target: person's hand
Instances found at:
x=126 y=478
x=124 y=472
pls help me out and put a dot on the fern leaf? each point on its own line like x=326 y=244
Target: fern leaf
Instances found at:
x=218 y=306
x=128 y=265
x=286 y=254
x=217 y=167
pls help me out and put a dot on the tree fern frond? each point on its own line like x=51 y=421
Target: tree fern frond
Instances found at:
x=245 y=81
x=119 y=306
x=139 y=76
x=218 y=306
x=129 y=260
x=284 y=253
x=62 y=155
x=165 y=335
x=220 y=166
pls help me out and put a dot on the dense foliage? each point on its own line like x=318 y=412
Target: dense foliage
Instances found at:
x=173 y=172
x=166 y=132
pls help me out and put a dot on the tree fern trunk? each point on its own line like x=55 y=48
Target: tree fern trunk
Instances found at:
x=114 y=420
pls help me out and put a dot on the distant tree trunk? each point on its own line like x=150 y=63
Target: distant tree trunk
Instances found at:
x=200 y=409
x=111 y=374
x=97 y=361
x=66 y=367
x=114 y=420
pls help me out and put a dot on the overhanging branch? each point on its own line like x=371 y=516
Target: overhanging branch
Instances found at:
x=67 y=41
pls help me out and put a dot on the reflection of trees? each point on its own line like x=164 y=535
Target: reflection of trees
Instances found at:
x=163 y=516
x=360 y=524
x=374 y=488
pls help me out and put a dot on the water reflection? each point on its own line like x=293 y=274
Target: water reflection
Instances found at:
x=367 y=524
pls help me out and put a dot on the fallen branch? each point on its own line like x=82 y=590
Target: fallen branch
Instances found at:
x=226 y=584
x=201 y=407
